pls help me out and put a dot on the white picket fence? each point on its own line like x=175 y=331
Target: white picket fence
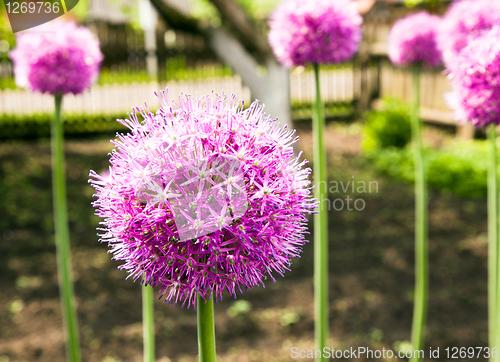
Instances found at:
x=336 y=86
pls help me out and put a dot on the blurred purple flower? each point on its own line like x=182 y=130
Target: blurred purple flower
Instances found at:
x=475 y=79
x=315 y=31
x=413 y=39
x=203 y=197
x=463 y=20
x=57 y=58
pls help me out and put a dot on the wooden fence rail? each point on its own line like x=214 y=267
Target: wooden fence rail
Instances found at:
x=434 y=85
x=336 y=86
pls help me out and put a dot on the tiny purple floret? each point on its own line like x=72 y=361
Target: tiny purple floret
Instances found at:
x=204 y=197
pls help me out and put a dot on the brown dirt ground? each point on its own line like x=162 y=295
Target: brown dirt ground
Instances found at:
x=371 y=271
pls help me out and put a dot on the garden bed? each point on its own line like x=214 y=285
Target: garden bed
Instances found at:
x=371 y=270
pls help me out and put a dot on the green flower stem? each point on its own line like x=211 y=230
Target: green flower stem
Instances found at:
x=320 y=224
x=148 y=324
x=206 y=329
x=67 y=293
x=421 y=248
x=492 y=241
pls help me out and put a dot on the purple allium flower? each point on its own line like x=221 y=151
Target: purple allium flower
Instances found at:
x=413 y=39
x=475 y=79
x=57 y=58
x=315 y=31
x=203 y=197
x=465 y=19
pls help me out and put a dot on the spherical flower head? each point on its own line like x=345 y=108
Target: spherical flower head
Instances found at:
x=203 y=197
x=463 y=20
x=475 y=79
x=315 y=31
x=57 y=58
x=413 y=39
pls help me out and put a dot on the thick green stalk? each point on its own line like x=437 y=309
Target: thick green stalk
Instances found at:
x=206 y=329
x=320 y=224
x=421 y=249
x=148 y=324
x=67 y=294
x=492 y=242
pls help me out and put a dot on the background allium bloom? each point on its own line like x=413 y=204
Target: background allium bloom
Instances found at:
x=315 y=31
x=413 y=39
x=475 y=79
x=57 y=58
x=203 y=197
x=463 y=20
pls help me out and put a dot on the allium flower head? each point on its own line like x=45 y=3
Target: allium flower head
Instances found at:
x=413 y=39
x=463 y=20
x=57 y=58
x=475 y=79
x=203 y=196
x=315 y=31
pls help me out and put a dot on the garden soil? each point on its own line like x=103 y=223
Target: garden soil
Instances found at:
x=371 y=270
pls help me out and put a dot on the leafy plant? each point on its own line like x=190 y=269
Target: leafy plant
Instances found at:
x=460 y=167
x=389 y=127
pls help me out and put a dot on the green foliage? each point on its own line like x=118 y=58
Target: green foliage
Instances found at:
x=7 y=83
x=302 y=111
x=204 y=10
x=7 y=39
x=107 y=76
x=80 y=11
x=412 y=3
x=38 y=125
x=389 y=127
x=257 y=9
x=461 y=167
x=178 y=70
